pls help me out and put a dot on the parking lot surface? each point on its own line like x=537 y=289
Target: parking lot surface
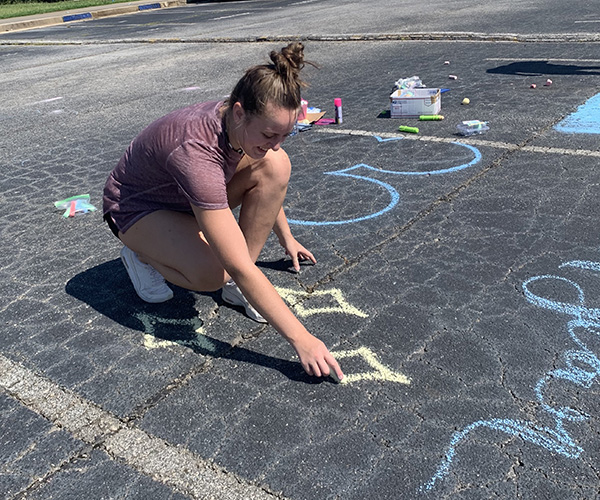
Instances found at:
x=457 y=278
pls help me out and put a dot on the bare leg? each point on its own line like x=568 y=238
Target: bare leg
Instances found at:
x=172 y=243
x=259 y=186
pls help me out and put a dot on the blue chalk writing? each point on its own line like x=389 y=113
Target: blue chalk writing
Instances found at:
x=581 y=367
x=394 y=196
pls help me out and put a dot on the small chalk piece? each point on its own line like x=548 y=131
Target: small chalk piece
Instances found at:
x=453 y=77
x=466 y=100
x=410 y=130
x=533 y=86
x=446 y=63
x=334 y=376
x=548 y=82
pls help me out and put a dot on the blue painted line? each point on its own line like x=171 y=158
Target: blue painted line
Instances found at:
x=586 y=120
x=149 y=6
x=77 y=17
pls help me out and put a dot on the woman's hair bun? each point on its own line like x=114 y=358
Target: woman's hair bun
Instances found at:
x=278 y=82
x=290 y=61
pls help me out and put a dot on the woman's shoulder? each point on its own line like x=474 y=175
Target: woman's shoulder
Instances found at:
x=202 y=120
x=209 y=111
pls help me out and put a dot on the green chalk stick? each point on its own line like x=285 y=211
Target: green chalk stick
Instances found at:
x=411 y=130
x=430 y=117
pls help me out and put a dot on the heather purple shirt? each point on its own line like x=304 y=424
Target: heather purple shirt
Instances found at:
x=182 y=159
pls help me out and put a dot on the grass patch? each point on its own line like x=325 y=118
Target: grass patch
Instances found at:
x=31 y=8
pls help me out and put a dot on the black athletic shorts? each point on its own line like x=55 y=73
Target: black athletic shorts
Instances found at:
x=111 y=223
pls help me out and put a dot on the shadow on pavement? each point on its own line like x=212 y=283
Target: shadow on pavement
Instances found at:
x=534 y=68
x=106 y=288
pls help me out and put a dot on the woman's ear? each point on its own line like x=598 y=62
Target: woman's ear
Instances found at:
x=238 y=113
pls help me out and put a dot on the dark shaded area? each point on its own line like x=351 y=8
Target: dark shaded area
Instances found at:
x=282 y=265
x=117 y=300
x=538 y=68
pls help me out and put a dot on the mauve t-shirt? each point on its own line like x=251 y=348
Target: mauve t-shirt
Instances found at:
x=182 y=159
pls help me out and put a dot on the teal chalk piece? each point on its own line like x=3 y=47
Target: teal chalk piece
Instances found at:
x=586 y=120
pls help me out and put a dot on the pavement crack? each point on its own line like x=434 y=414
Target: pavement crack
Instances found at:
x=37 y=482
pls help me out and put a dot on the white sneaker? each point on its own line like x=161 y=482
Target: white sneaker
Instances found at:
x=147 y=281
x=233 y=295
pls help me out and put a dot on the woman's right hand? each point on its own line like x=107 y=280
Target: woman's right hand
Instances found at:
x=315 y=357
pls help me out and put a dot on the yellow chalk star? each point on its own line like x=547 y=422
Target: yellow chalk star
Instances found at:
x=380 y=371
x=152 y=342
x=295 y=299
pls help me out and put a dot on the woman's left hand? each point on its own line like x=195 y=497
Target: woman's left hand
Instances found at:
x=297 y=252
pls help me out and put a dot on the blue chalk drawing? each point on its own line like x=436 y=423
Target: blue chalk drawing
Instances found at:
x=380 y=139
x=474 y=161
x=586 y=120
x=582 y=368
x=394 y=196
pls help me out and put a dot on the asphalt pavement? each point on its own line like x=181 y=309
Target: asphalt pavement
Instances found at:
x=457 y=277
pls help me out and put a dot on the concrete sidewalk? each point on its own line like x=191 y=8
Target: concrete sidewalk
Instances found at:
x=86 y=13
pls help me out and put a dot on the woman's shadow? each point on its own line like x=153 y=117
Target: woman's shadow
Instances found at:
x=538 y=68
x=177 y=318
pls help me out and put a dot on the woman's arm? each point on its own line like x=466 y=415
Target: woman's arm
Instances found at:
x=292 y=247
x=227 y=242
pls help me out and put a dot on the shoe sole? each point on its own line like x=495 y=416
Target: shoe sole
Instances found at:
x=145 y=298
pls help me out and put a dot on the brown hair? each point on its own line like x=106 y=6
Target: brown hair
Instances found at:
x=277 y=82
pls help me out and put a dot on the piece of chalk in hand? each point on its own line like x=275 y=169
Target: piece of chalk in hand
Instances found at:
x=334 y=376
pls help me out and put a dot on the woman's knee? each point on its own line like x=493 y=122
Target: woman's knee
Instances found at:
x=276 y=168
x=282 y=165
x=206 y=280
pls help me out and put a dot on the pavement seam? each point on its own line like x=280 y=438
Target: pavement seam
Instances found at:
x=38 y=482
x=401 y=37
x=174 y=466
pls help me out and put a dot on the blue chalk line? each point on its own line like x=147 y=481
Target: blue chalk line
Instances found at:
x=394 y=196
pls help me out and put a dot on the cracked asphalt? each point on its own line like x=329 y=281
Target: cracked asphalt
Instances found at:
x=457 y=277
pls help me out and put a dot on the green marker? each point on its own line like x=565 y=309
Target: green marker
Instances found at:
x=410 y=130
x=431 y=117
